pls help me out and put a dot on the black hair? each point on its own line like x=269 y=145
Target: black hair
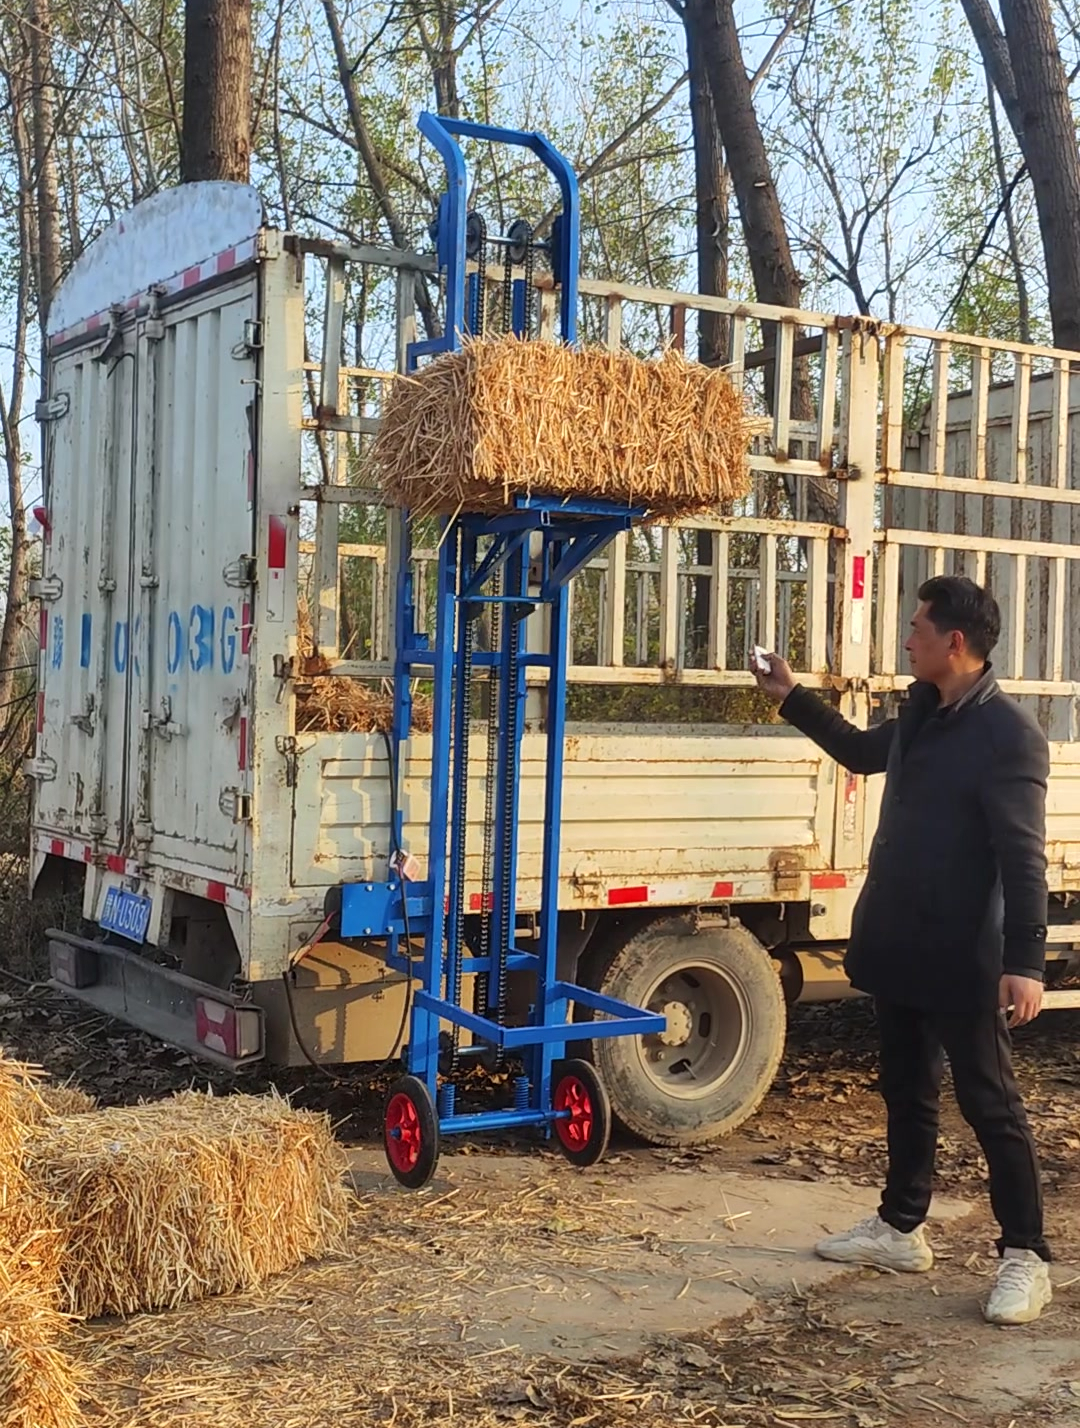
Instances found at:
x=956 y=603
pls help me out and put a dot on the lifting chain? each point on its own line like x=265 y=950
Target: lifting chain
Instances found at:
x=490 y=776
x=460 y=765
x=512 y=635
x=520 y=252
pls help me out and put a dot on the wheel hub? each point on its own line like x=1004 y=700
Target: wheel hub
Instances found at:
x=573 y=1099
x=404 y=1137
x=708 y=1028
x=680 y=1024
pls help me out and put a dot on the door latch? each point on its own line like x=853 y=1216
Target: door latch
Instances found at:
x=164 y=725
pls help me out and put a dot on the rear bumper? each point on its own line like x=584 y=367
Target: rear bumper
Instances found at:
x=218 y=1026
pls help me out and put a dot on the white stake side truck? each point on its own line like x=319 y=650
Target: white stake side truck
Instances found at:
x=200 y=472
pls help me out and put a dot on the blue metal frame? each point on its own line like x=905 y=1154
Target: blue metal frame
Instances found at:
x=450 y=230
x=563 y=536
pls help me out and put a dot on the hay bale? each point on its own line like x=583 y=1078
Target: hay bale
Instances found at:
x=189 y=1197
x=509 y=417
x=43 y=1101
x=39 y=1384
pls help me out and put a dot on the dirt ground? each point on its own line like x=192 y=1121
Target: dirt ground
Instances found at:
x=668 y=1288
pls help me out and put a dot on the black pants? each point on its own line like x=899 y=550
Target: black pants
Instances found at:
x=914 y=1044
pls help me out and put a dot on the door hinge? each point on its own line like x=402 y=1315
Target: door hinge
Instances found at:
x=787 y=875
x=52 y=408
x=286 y=746
x=114 y=338
x=41 y=768
x=240 y=572
x=46 y=587
x=251 y=342
x=153 y=328
x=235 y=804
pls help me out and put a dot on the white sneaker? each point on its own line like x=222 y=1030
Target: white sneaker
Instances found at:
x=872 y=1242
x=1022 y=1290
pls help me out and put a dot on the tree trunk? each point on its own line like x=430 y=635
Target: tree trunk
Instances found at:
x=49 y=263
x=14 y=624
x=711 y=28
x=712 y=32
x=994 y=50
x=712 y=209
x=713 y=219
x=216 y=142
x=1048 y=142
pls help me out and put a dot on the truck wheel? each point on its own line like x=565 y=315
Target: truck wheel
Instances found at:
x=711 y=1069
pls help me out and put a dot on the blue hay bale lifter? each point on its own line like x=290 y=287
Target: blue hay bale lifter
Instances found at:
x=509 y=566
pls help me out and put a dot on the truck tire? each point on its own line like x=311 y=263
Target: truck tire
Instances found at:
x=726 y=1025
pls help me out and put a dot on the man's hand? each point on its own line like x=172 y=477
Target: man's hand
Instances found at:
x=1023 y=995
x=779 y=682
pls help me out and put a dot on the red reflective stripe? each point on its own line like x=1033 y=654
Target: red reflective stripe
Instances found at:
x=242 y=757
x=91 y=322
x=43 y=628
x=192 y=276
x=40 y=711
x=216 y=892
x=858 y=577
x=617 y=896
x=86 y=854
x=57 y=848
x=275 y=550
x=245 y=627
x=723 y=890
x=824 y=881
x=481 y=902
x=226 y=260
x=115 y=863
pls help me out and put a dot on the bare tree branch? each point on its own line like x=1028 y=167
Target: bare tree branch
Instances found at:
x=596 y=164
x=376 y=176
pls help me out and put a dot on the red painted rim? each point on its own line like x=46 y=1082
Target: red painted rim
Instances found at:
x=574 y=1130
x=404 y=1136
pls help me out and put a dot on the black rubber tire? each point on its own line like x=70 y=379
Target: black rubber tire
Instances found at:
x=582 y=1076
x=745 y=988
x=410 y=1096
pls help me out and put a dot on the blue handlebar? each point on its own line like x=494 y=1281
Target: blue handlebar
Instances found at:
x=450 y=242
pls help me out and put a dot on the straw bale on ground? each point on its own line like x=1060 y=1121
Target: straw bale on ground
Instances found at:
x=39 y=1385
x=189 y=1197
x=510 y=417
x=43 y=1101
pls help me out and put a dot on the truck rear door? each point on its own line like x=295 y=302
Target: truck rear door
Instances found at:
x=143 y=748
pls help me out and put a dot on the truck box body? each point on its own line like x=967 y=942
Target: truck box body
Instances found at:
x=185 y=510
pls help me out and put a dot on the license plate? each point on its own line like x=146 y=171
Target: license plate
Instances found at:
x=126 y=913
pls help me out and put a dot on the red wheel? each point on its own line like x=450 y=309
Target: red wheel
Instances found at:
x=411 y=1132
x=584 y=1124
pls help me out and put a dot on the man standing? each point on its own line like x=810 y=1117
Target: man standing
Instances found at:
x=949 y=932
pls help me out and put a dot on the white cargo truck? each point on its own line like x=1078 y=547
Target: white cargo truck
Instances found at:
x=204 y=479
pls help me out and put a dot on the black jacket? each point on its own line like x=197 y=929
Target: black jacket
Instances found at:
x=956 y=891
